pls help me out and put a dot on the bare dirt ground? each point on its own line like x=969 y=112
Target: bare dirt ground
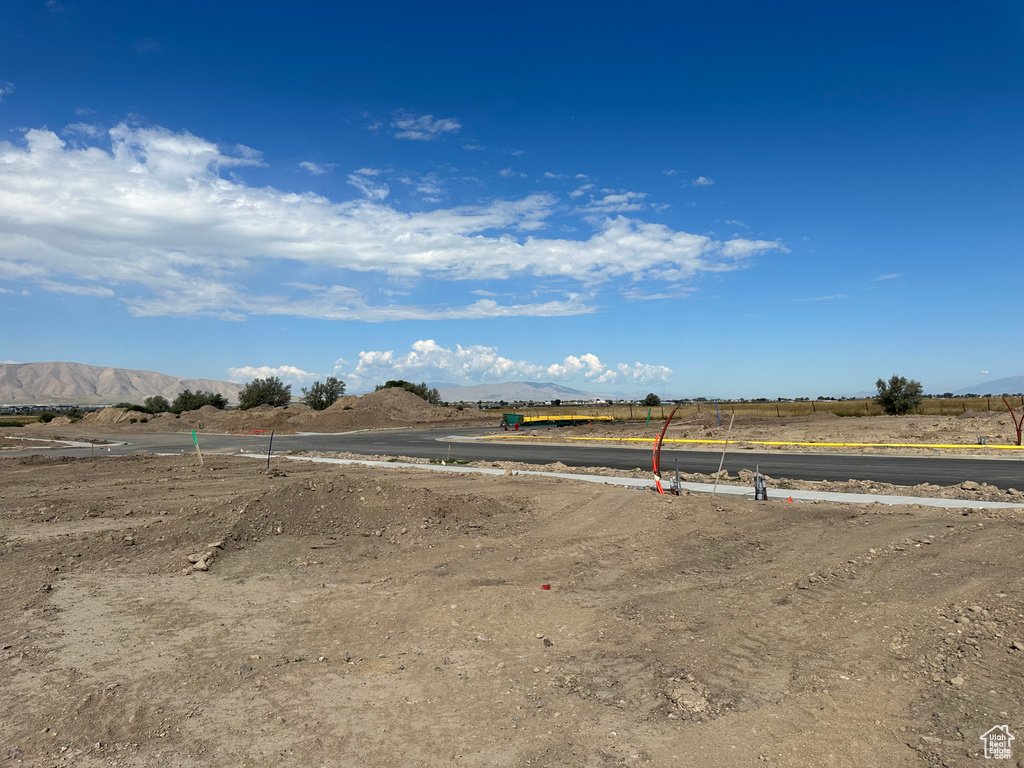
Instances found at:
x=745 y=477
x=353 y=616
x=968 y=430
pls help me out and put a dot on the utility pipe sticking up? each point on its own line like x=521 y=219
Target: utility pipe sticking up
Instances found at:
x=656 y=462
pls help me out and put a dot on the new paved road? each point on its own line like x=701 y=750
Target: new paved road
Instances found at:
x=434 y=444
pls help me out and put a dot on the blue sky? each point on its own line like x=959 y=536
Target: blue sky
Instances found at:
x=720 y=199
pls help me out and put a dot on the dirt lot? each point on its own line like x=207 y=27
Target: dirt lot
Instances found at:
x=969 y=429
x=397 y=617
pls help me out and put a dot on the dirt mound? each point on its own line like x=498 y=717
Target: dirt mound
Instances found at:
x=106 y=417
x=385 y=408
x=358 y=505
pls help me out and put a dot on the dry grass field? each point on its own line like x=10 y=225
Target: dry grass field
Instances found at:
x=936 y=406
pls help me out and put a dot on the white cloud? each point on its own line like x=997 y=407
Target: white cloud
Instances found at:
x=82 y=111
x=983 y=373
x=617 y=203
x=892 y=276
x=669 y=173
x=429 y=185
x=363 y=181
x=742 y=248
x=702 y=181
x=580 y=191
x=86 y=129
x=145 y=46
x=6 y=89
x=317 y=169
x=508 y=173
x=54 y=286
x=473 y=147
x=833 y=297
x=422 y=127
x=289 y=374
x=156 y=222
x=550 y=175
x=428 y=360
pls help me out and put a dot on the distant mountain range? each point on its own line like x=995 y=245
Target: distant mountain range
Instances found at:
x=512 y=391
x=78 y=384
x=1011 y=384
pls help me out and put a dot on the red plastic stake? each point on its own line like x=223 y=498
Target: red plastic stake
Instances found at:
x=545 y=586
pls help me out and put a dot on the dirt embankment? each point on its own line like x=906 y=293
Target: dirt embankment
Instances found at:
x=391 y=407
x=383 y=618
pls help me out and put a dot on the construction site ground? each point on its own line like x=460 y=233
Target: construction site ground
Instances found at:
x=159 y=612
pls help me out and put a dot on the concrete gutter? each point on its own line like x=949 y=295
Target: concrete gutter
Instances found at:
x=632 y=482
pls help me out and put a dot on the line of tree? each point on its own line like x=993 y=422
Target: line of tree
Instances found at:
x=193 y=401
x=185 y=401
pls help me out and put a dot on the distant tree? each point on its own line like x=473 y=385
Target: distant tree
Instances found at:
x=898 y=395
x=156 y=404
x=651 y=400
x=193 y=401
x=556 y=402
x=268 y=391
x=430 y=394
x=130 y=407
x=322 y=395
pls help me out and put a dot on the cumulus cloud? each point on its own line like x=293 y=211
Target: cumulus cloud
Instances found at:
x=422 y=127
x=289 y=374
x=428 y=360
x=154 y=218
x=702 y=181
x=508 y=173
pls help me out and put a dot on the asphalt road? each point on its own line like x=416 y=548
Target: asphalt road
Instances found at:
x=434 y=444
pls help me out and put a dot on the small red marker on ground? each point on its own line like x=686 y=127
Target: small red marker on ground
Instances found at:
x=790 y=499
x=545 y=586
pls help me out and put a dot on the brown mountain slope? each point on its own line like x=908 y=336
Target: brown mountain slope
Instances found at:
x=71 y=383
